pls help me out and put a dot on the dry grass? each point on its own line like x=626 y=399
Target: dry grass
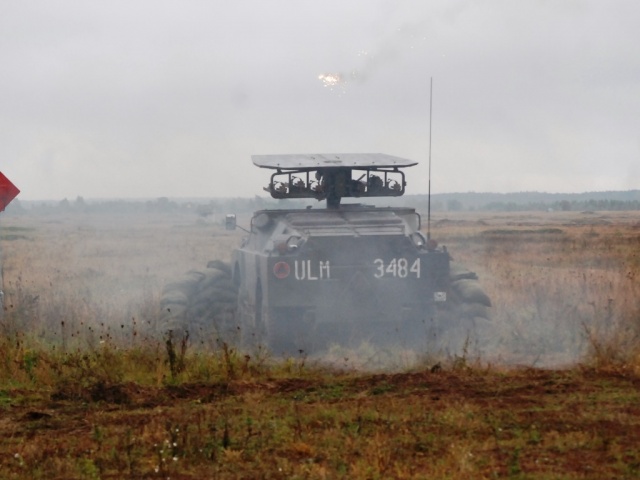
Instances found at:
x=99 y=274
x=87 y=390
x=563 y=285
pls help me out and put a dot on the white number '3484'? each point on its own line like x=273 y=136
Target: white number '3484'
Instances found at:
x=397 y=267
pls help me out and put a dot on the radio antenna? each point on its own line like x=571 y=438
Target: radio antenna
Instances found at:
x=429 y=191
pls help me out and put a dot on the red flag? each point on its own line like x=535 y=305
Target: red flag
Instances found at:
x=8 y=191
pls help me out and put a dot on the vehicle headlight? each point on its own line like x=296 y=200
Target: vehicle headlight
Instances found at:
x=294 y=243
x=418 y=239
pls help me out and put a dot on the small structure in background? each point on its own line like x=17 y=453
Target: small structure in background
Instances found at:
x=230 y=221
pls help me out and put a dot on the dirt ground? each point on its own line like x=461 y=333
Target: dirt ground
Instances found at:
x=530 y=423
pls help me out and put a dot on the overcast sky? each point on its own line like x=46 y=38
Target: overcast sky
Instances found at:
x=155 y=98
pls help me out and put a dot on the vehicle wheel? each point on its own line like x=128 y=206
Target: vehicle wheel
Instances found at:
x=203 y=303
x=463 y=325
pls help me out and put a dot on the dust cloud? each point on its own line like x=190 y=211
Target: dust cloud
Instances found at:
x=84 y=279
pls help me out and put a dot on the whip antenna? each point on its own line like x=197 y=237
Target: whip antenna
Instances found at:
x=429 y=191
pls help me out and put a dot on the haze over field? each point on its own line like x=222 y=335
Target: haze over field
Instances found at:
x=160 y=98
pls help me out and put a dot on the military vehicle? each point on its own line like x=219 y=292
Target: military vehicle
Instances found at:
x=305 y=278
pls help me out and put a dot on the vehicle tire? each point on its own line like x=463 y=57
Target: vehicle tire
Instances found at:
x=463 y=325
x=202 y=304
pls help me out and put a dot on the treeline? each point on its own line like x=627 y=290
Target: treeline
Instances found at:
x=508 y=202
x=202 y=207
x=454 y=205
x=531 y=201
x=566 y=205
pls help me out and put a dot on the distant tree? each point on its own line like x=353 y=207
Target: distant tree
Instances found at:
x=80 y=205
x=454 y=205
x=64 y=205
x=436 y=206
x=15 y=207
x=162 y=205
x=205 y=210
x=565 y=205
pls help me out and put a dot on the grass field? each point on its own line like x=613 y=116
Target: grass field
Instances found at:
x=88 y=390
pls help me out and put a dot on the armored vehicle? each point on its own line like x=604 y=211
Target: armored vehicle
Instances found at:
x=348 y=272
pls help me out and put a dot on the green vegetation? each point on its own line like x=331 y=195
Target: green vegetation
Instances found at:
x=126 y=413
